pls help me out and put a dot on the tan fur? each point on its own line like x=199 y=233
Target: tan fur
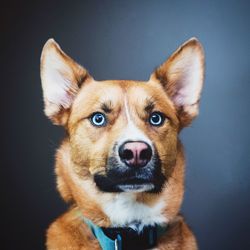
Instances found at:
x=85 y=150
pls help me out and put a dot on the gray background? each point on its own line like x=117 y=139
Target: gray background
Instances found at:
x=127 y=40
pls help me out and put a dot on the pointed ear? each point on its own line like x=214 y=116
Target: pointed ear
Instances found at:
x=182 y=77
x=61 y=79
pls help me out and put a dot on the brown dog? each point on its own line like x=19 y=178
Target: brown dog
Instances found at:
x=121 y=166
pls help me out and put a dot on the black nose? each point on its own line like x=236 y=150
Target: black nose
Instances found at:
x=135 y=153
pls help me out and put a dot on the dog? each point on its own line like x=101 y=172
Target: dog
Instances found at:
x=121 y=165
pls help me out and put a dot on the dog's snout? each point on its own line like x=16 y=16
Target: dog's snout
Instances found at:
x=135 y=153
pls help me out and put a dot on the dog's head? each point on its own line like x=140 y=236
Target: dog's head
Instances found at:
x=123 y=134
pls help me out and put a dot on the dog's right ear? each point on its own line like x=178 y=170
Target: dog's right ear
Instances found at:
x=61 y=79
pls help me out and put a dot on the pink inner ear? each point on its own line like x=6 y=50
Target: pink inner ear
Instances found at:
x=188 y=85
x=178 y=99
x=60 y=77
x=61 y=90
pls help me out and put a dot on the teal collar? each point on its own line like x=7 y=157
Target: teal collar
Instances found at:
x=126 y=238
x=105 y=242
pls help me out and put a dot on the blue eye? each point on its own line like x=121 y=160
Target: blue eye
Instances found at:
x=98 y=119
x=156 y=119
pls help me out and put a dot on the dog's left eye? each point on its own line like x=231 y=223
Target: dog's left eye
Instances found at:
x=98 y=119
x=156 y=119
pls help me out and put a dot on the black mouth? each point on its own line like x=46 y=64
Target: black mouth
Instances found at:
x=119 y=178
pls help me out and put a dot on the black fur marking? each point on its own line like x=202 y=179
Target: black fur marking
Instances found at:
x=118 y=174
x=150 y=106
x=106 y=107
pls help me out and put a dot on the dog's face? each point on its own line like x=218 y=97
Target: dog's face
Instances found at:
x=123 y=134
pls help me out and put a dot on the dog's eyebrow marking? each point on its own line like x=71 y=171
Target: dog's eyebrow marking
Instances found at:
x=107 y=107
x=149 y=106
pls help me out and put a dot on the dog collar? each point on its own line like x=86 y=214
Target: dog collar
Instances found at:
x=117 y=238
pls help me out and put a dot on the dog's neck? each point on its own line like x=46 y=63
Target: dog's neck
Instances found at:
x=125 y=210
x=125 y=237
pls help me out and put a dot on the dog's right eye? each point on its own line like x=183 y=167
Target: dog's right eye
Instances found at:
x=156 y=119
x=98 y=119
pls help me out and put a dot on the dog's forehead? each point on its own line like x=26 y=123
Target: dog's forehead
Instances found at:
x=115 y=91
x=115 y=94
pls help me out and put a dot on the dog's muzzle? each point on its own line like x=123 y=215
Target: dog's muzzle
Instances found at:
x=136 y=168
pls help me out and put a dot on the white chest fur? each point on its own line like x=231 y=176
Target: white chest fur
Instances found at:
x=124 y=210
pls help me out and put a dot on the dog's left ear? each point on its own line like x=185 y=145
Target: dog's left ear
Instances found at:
x=61 y=79
x=182 y=78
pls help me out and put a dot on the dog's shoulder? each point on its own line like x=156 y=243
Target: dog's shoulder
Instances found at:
x=178 y=236
x=69 y=232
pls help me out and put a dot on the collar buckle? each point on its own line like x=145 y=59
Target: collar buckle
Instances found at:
x=118 y=242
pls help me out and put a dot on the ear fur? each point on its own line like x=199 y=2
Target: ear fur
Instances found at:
x=61 y=79
x=182 y=78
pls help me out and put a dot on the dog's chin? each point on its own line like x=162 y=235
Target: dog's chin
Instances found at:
x=132 y=185
x=136 y=188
